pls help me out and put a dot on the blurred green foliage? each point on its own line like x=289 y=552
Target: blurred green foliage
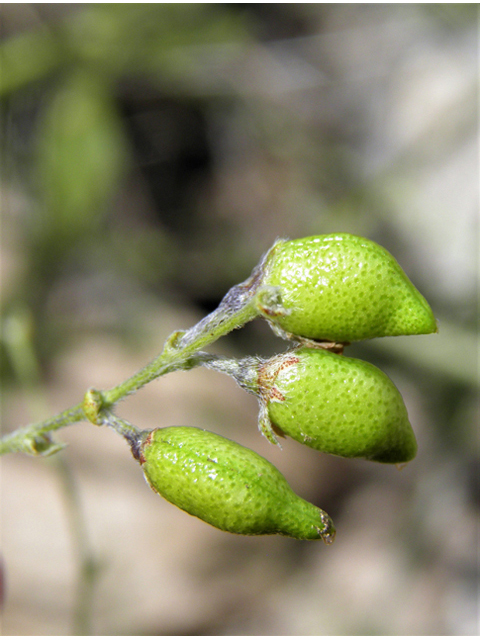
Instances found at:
x=65 y=76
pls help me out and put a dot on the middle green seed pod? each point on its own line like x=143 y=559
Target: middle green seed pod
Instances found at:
x=227 y=485
x=337 y=405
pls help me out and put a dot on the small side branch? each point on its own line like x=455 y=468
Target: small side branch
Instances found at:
x=35 y=439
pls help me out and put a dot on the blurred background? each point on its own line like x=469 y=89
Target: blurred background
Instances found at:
x=151 y=153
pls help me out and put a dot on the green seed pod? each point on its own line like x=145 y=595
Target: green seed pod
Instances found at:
x=338 y=405
x=228 y=486
x=340 y=288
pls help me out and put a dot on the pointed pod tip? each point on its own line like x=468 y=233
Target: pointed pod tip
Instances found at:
x=413 y=315
x=328 y=532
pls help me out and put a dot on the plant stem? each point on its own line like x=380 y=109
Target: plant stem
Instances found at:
x=134 y=436
x=18 y=341
x=88 y=566
x=34 y=438
x=237 y=308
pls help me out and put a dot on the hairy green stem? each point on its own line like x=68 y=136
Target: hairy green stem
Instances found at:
x=134 y=436
x=35 y=438
x=235 y=310
x=181 y=352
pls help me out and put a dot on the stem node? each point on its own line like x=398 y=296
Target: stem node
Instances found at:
x=92 y=406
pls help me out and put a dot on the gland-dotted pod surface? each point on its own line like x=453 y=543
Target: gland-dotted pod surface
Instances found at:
x=337 y=405
x=342 y=288
x=228 y=485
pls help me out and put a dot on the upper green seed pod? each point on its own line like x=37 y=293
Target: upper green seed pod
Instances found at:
x=341 y=288
x=338 y=405
x=228 y=486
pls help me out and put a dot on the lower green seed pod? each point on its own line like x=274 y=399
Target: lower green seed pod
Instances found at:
x=338 y=405
x=340 y=288
x=228 y=486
